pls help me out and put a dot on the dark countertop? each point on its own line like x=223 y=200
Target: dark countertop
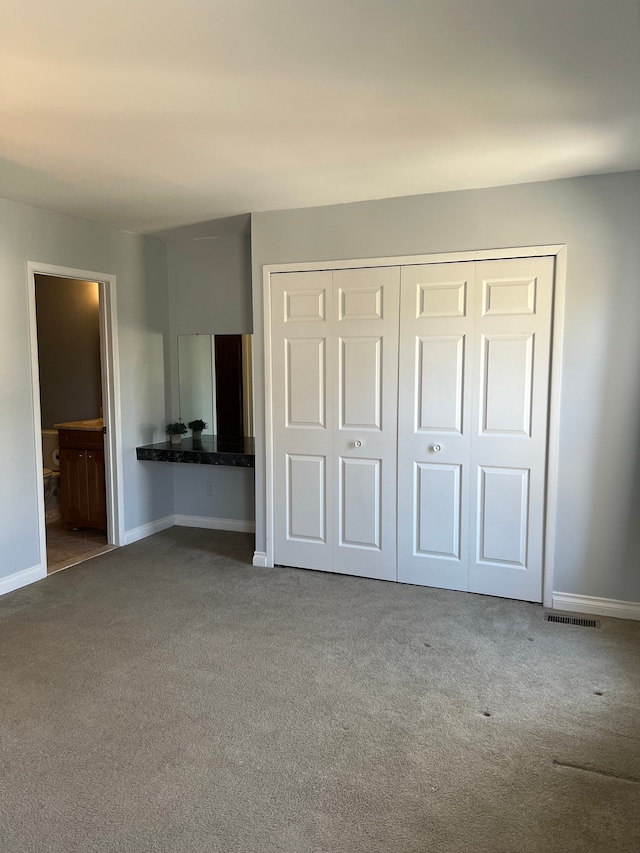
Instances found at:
x=210 y=450
x=92 y=425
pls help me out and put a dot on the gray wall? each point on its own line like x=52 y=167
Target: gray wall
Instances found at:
x=29 y=233
x=233 y=496
x=597 y=546
x=209 y=293
x=210 y=285
x=68 y=349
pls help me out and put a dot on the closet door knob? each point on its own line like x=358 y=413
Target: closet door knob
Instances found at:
x=437 y=448
x=358 y=443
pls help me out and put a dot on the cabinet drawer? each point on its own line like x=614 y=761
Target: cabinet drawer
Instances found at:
x=80 y=439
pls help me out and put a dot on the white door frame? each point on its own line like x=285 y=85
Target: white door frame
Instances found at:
x=110 y=370
x=559 y=252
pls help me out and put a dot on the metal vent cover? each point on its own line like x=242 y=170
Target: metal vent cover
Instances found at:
x=572 y=620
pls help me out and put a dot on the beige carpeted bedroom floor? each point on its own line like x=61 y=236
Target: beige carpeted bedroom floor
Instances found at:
x=169 y=697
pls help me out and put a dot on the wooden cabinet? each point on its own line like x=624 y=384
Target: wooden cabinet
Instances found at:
x=82 y=488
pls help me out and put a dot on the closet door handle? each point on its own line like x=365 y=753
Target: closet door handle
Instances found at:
x=357 y=443
x=437 y=448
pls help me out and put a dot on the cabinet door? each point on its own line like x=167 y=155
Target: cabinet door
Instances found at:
x=96 y=505
x=73 y=486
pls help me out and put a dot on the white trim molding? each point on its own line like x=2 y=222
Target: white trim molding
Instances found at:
x=433 y=258
x=260 y=559
x=138 y=533
x=23 y=578
x=553 y=430
x=110 y=367
x=239 y=525
x=596 y=606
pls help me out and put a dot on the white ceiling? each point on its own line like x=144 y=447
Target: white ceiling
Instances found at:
x=148 y=114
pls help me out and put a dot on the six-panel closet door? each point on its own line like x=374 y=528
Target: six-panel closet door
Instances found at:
x=335 y=374
x=303 y=415
x=473 y=400
x=509 y=401
x=410 y=422
x=434 y=424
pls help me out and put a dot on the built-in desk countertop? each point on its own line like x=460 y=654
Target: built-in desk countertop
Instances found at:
x=209 y=450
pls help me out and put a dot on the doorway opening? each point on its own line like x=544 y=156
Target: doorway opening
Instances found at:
x=68 y=330
x=76 y=414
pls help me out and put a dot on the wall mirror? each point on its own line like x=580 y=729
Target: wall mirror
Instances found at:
x=216 y=383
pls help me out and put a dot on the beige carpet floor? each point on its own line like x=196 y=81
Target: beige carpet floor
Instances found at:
x=169 y=697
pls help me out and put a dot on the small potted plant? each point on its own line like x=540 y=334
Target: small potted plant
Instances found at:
x=176 y=431
x=196 y=428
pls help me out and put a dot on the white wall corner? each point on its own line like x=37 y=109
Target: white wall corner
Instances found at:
x=23 y=578
x=260 y=559
x=238 y=525
x=596 y=606
x=137 y=533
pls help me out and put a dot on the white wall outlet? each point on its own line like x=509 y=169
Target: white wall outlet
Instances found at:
x=210 y=489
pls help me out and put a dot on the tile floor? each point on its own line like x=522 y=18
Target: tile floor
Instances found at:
x=67 y=547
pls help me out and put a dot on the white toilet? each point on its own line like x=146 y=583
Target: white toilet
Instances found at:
x=51 y=474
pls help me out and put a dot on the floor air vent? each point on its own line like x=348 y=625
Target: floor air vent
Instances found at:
x=572 y=620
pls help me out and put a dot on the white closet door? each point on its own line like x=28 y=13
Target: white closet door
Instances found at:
x=366 y=304
x=436 y=340
x=509 y=405
x=302 y=370
x=446 y=462
x=472 y=438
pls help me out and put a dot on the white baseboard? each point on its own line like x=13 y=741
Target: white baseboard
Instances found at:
x=237 y=524
x=260 y=559
x=137 y=533
x=596 y=606
x=23 y=578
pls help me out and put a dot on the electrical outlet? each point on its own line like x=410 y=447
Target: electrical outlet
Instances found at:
x=210 y=489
